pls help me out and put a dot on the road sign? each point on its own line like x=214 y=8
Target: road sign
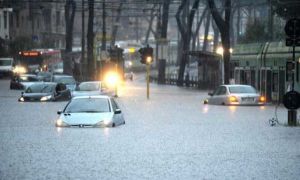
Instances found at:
x=292 y=42
x=292 y=28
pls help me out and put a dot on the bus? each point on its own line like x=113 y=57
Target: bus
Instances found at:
x=36 y=60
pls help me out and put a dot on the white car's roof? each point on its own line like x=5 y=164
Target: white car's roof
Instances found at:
x=94 y=96
x=235 y=85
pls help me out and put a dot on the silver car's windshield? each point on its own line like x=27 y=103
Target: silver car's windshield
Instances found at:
x=242 y=89
x=65 y=80
x=89 y=86
x=88 y=105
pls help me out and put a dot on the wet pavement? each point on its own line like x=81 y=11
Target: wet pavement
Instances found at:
x=171 y=136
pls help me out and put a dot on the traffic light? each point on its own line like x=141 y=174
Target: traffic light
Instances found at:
x=116 y=54
x=146 y=55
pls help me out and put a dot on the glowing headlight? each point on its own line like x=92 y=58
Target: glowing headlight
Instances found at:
x=46 y=98
x=112 y=78
x=21 y=99
x=60 y=123
x=106 y=122
x=19 y=70
x=233 y=99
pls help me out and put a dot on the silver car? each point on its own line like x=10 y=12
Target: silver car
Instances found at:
x=90 y=111
x=235 y=95
x=89 y=88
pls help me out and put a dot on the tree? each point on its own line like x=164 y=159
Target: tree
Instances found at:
x=185 y=29
x=224 y=27
x=115 y=25
x=90 y=40
x=286 y=8
x=255 y=32
x=70 y=9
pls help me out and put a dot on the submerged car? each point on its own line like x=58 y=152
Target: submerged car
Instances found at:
x=46 y=91
x=90 y=111
x=69 y=81
x=88 y=88
x=22 y=81
x=235 y=95
x=44 y=76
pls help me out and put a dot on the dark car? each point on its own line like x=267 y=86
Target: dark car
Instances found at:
x=69 y=81
x=46 y=91
x=44 y=76
x=22 y=81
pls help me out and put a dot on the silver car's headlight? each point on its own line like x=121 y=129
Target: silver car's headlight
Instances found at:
x=60 y=123
x=21 y=99
x=46 y=98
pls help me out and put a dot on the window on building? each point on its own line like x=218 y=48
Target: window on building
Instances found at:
x=57 y=18
x=17 y=19
x=5 y=19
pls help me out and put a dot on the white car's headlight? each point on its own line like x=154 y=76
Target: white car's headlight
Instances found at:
x=46 y=98
x=106 y=121
x=21 y=99
x=60 y=123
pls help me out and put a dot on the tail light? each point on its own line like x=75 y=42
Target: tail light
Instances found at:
x=233 y=99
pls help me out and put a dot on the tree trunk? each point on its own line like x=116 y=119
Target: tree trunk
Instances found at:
x=185 y=32
x=70 y=8
x=90 y=40
x=115 y=26
x=196 y=33
x=152 y=16
x=224 y=27
x=207 y=25
x=165 y=18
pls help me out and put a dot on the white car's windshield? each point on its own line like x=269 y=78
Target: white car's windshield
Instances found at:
x=88 y=105
x=242 y=89
x=65 y=80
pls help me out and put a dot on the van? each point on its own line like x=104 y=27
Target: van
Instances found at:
x=6 y=66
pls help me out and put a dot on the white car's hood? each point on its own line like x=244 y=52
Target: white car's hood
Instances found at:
x=85 y=118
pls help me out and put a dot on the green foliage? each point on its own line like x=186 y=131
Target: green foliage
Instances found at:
x=255 y=32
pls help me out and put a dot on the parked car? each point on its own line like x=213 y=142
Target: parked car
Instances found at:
x=69 y=81
x=90 y=111
x=22 y=81
x=46 y=91
x=44 y=76
x=88 y=88
x=235 y=95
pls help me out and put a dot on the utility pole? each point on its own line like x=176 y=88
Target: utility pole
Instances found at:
x=83 y=60
x=103 y=46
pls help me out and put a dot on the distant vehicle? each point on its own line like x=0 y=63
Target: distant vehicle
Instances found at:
x=44 y=76
x=6 y=66
x=69 y=81
x=46 y=91
x=235 y=95
x=90 y=111
x=22 y=81
x=88 y=88
x=38 y=60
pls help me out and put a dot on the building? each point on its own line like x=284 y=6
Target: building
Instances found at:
x=42 y=22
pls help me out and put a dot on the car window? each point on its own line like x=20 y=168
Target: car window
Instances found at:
x=28 y=79
x=89 y=86
x=114 y=104
x=242 y=89
x=65 y=80
x=40 y=88
x=222 y=91
x=88 y=105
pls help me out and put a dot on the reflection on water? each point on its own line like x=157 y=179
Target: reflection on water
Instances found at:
x=232 y=109
x=262 y=107
x=58 y=130
x=106 y=131
x=205 y=109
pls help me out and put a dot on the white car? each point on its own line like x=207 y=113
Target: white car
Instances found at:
x=235 y=95
x=90 y=111
x=89 y=88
